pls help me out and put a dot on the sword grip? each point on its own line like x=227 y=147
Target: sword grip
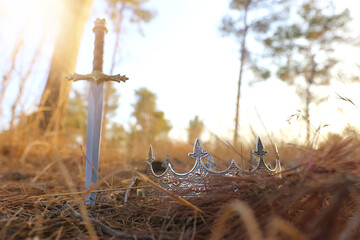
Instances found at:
x=99 y=30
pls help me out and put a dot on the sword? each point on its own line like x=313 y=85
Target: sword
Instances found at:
x=96 y=94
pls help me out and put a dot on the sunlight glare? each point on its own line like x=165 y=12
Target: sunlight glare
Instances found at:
x=38 y=15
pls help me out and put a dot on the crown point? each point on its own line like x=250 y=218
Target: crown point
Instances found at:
x=259 y=143
x=198 y=147
x=166 y=162
x=210 y=164
x=150 y=158
x=260 y=152
x=198 y=150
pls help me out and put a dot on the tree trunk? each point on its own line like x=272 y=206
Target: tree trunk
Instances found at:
x=54 y=100
x=242 y=61
x=310 y=75
x=308 y=98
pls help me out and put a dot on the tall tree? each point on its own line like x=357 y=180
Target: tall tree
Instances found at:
x=195 y=129
x=249 y=17
x=150 y=122
x=55 y=96
x=303 y=49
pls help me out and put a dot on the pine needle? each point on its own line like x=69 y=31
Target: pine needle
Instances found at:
x=167 y=192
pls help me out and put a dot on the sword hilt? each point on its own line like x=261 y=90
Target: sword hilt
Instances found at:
x=97 y=74
x=99 y=30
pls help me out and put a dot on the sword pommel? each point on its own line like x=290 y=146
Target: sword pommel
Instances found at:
x=100 y=24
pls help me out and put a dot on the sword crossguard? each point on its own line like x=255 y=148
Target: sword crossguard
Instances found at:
x=97 y=77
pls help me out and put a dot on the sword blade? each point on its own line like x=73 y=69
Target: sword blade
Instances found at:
x=93 y=134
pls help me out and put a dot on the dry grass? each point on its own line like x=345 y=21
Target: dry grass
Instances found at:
x=41 y=195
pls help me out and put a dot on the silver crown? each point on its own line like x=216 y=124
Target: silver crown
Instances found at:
x=196 y=181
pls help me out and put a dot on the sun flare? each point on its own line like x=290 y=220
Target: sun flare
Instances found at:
x=36 y=16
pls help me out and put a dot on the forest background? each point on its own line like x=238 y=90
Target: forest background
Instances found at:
x=183 y=75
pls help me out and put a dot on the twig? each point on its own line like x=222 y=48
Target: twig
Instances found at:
x=287 y=229
x=70 y=184
x=225 y=142
x=3 y=231
x=127 y=193
x=93 y=167
x=267 y=133
x=167 y=192
x=108 y=230
x=43 y=171
x=30 y=146
x=82 y=192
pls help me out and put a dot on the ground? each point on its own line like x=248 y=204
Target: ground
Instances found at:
x=318 y=198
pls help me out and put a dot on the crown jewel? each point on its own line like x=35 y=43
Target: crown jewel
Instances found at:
x=196 y=181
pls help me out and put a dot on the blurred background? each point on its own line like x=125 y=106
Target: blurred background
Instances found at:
x=224 y=71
